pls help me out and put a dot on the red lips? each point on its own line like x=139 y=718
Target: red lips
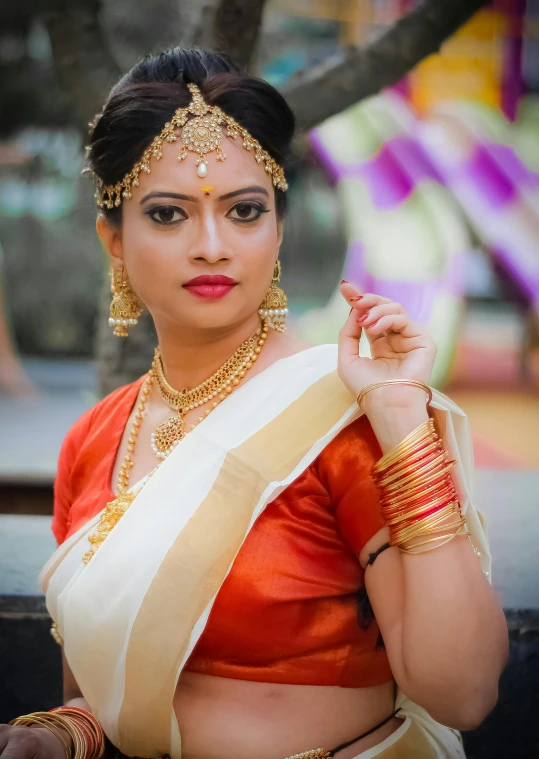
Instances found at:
x=212 y=286
x=210 y=279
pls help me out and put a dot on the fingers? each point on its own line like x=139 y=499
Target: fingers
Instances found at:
x=349 y=339
x=360 y=300
x=370 y=315
x=390 y=323
x=376 y=315
x=389 y=317
x=23 y=742
x=17 y=743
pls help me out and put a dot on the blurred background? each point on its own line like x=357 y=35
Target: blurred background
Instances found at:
x=426 y=192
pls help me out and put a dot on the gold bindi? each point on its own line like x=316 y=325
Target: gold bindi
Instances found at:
x=200 y=127
x=206 y=189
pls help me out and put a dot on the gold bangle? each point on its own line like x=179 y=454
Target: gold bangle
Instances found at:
x=407 y=536
x=432 y=548
x=423 y=526
x=376 y=385
x=397 y=501
x=84 y=725
x=418 y=459
x=441 y=470
x=64 y=723
x=396 y=519
x=420 y=529
x=415 y=438
x=407 y=469
x=398 y=508
x=44 y=720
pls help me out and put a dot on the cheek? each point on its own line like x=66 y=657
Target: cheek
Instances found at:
x=259 y=253
x=146 y=251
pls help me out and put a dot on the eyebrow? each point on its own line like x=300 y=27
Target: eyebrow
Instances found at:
x=178 y=196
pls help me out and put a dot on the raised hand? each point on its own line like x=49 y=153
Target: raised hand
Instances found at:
x=401 y=348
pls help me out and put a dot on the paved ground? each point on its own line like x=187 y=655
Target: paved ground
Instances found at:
x=32 y=430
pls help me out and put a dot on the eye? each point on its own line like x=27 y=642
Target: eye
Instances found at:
x=247 y=211
x=166 y=215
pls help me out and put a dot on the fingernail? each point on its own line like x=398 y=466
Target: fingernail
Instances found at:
x=357 y=297
x=362 y=318
x=344 y=281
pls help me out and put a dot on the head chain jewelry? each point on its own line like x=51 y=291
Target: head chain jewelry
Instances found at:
x=201 y=134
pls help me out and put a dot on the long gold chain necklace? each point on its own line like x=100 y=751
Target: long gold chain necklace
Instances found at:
x=215 y=389
x=222 y=383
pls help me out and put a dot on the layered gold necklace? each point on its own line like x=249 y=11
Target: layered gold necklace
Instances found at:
x=169 y=433
x=215 y=389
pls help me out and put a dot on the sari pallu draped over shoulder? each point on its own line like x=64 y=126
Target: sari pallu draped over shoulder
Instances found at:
x=132 y=616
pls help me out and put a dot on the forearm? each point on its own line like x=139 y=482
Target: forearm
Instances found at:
x=445 y=632
x=444 y=629
x=394 y=412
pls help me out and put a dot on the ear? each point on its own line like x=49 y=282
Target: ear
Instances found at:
x=110 y=238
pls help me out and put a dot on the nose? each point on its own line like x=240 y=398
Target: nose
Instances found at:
x=210 y=244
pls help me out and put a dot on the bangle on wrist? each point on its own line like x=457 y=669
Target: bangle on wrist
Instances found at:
x=376 y=385
x=78 y=731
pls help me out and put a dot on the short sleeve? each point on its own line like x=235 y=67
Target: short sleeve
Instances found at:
x=62 y=481
x=344 y=468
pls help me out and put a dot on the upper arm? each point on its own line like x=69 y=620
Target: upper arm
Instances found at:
x=62 y=482
x=344 y=468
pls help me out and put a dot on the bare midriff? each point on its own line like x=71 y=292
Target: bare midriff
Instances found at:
x=221 y=718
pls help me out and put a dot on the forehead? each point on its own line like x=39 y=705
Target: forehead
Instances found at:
x=239 y=169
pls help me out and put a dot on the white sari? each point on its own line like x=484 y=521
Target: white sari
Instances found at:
x=132 y=616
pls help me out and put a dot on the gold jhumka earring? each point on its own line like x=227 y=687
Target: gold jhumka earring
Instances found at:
x=125 y=307
x=274 y=306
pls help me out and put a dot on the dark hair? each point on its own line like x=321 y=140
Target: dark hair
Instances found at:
x=146 y=98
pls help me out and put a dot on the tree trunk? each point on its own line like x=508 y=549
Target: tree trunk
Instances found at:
x=81 y=56
x=356 y=73
x=230 y=26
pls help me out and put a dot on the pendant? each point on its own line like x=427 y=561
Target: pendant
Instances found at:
x=167 y=436
x=114 y=511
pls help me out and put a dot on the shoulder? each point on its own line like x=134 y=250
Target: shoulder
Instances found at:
x=100 y=413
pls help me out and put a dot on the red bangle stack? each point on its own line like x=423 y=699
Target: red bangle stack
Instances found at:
x=417 y=496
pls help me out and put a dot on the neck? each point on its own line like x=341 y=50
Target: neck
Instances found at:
x=191 y=357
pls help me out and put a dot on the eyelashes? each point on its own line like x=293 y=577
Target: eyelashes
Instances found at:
x=164 y=215
x=249 y=206
x=167 y=215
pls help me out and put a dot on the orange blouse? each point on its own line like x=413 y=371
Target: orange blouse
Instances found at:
x=287 y=611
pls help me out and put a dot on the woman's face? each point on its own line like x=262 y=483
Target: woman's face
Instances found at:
x=178 y=227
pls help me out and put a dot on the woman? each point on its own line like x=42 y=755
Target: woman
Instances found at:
x=216 y=607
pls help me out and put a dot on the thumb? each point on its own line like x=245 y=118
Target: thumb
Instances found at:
x=349 y=337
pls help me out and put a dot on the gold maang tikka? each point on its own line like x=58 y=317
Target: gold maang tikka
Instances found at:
x=274 y=306
x=201 y=134
x=125 y=307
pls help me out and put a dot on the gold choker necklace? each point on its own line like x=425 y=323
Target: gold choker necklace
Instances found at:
x=215 y=389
